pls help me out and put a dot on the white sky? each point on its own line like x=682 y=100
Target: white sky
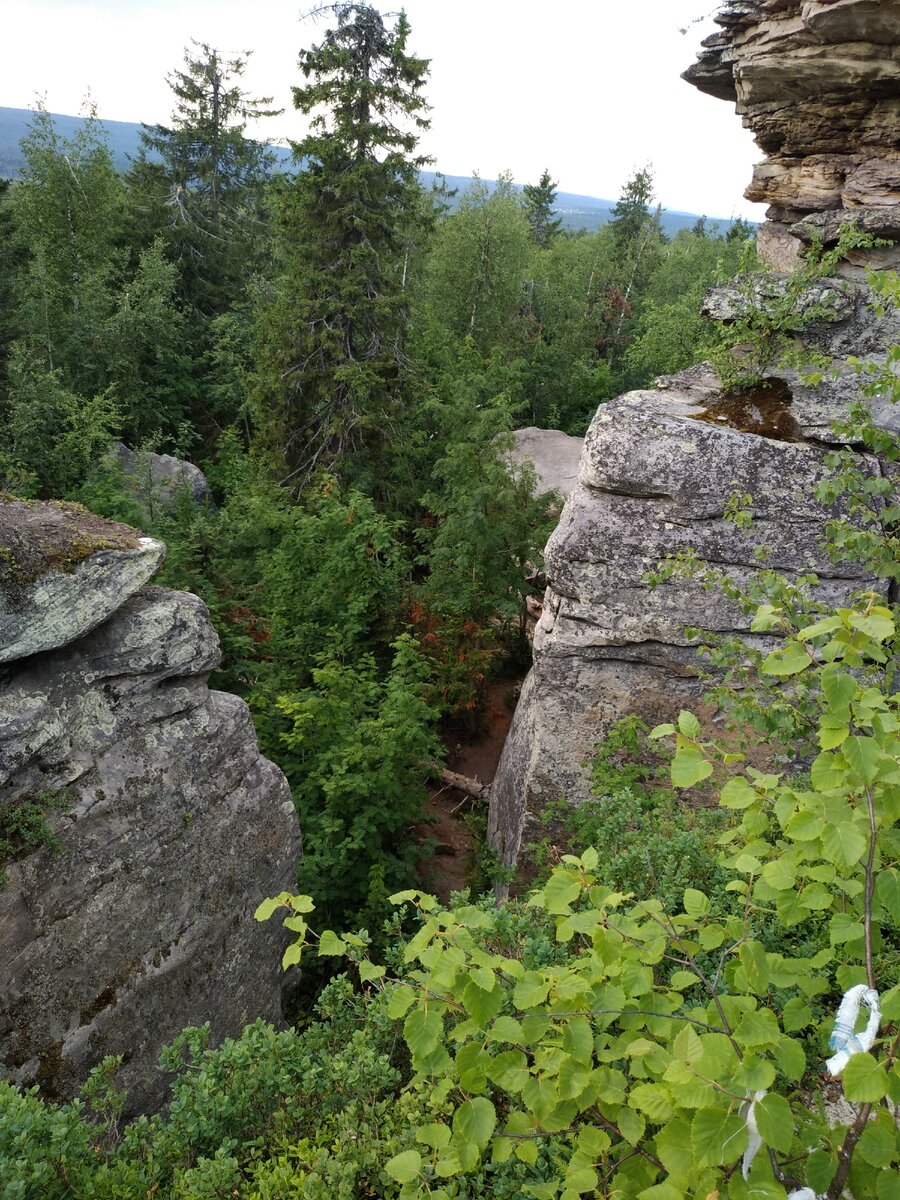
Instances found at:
x=588 y=88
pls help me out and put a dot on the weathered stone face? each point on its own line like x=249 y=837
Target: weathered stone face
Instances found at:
x=158 y=480
x=553 y=454
x=818 y=83
x=657 y=469
x=62 y=572
x=175 y=828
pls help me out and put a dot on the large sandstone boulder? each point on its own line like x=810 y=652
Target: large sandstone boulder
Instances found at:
x=172 y=827
x=818 y=83
x=62 y=572
x=657 y=469
x=553 y=454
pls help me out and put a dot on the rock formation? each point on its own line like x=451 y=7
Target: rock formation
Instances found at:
x=818 y=84
x=171 y=825
x=157 y=480
x=553 y=454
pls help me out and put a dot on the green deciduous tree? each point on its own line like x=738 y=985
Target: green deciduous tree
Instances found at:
x=479 y=265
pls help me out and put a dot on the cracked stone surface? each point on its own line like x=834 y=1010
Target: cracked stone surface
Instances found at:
x=818 y=84
x=63 y=572
x=655 y=473
x=172 y=828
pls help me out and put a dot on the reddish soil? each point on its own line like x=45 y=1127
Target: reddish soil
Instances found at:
x=475 y=755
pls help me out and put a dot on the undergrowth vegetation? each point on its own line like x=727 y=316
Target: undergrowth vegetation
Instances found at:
x=650 y=1021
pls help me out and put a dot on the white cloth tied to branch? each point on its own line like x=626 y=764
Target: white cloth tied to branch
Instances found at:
x=844 y=1040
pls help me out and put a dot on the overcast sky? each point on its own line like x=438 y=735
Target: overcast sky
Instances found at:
x=588 y=88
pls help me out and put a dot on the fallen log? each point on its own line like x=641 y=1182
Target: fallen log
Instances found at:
x=472 y=787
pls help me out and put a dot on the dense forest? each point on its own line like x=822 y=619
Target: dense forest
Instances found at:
x=344 y=356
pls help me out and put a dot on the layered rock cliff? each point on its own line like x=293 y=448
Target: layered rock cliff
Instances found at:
x=818 y=84
x=169 y=824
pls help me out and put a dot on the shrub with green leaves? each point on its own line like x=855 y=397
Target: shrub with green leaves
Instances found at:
x=635 y=1059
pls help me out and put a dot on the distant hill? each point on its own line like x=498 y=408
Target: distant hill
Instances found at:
x=577 y=212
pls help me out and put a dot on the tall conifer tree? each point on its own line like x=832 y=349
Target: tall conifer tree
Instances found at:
x=334 y=385
x=540 y=199
x=199 y=180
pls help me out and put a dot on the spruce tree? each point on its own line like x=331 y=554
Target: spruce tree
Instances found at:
x=334 y=382
x=540 y=199
x=199 y=181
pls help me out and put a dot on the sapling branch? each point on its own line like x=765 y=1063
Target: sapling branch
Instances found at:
x=870 y=887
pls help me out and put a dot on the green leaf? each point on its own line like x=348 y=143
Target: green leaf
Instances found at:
x=292 y=955
x=631 y=1125
x=878 y=1145
x=689 y=767
x=471 y=1066
x=435 y=1135
x=401 y=1000
x=673 y=1147
x=844 y=927
x=717 y=1136
x=887 y=891
x=530 y=990
x=864 y=756
x=779 y=874
x=790 y=660
x=877 y=624
x=886 y=1185
x=661 y=731
x=662 y=1191
x=757 y=1028
x=541 y=1096
x=819 y=628
x=865 y=1079
x=796 y=1015
x=775 y=1122
x=593 y=1142
x=839 y=688
x=475 y=1121
x=833 y=732
x=369 y=971
x=509 y=1070
x=791 y=1059
x=404 y=1167
x=561 y=890
x=267 y=907
x=843 y=844
x=573 y=1078
x=583 y=1180
x=737 y=793
x=653 y=1100
x=688 y=724
x=422 y=1031
x=506 y=1029
x=827 y=772
x=696 y=904
x=578 y=1040
x=482 y=1006
x=821 y=1167
x=330 y=943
